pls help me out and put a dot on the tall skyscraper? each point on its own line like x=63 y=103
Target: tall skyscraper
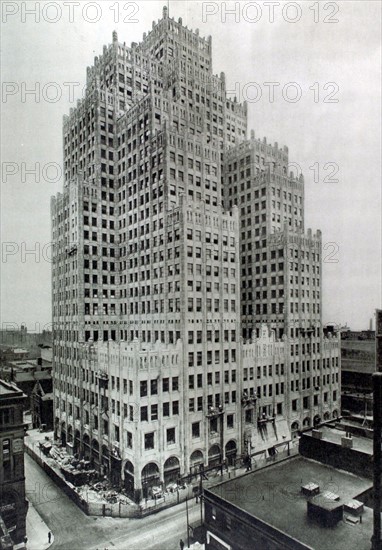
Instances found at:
x=168 y=221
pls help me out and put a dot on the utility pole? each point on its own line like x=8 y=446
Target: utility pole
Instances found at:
x=188 y=524
x=201 y=474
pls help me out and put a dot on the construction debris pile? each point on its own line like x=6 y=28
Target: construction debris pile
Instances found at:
x=103 y=491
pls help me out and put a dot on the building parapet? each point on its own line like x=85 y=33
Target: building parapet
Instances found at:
x=331 y=343
x=144 y=356
x=169 y=23
x=300 y=238
x=264 y=346
x=214 y=216
x=258 y=145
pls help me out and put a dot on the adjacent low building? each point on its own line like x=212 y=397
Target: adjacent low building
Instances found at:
x=27 y=372
x=13 y=505
x=296 y=504
x=336 y=445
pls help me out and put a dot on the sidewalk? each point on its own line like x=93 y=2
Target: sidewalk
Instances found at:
x=37 y=530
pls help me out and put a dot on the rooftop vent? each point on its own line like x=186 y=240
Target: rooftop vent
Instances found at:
x=354 y=507
x=310 y=489
x=326 y=513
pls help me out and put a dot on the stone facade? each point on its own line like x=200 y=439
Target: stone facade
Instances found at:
x=149 y=263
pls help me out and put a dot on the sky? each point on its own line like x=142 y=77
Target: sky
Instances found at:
x=310 y=72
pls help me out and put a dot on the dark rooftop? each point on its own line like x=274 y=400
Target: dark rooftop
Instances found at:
x=273 y=495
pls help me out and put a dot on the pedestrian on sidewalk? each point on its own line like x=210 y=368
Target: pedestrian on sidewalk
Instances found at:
x=181 y=544
x=49 y=537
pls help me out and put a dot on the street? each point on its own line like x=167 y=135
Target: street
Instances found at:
x=74 y=530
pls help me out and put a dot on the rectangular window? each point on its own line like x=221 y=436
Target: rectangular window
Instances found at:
x=149 y=441
x=196 y=429
x=154 y=412
x=229 y=420
x=144 y=414
x=170 y=436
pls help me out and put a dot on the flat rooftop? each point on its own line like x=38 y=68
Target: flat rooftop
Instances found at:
x=334 y=435
x=8 y=389
x=273 y=495
x=24 y=363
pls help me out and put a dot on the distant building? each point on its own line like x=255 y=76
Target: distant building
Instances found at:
x=13 y=337
x=9 y=353
x=358 y=334
x=13 y=506
x=46 y=355
x=357 y=367
x=27 y=372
